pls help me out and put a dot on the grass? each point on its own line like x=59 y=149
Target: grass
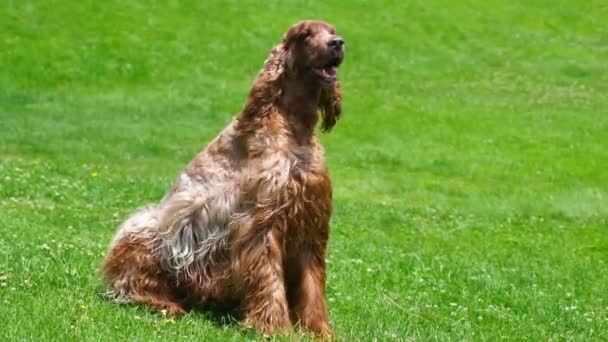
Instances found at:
x=470 y=168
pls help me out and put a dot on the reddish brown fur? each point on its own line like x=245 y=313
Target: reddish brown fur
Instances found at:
x=273 y=267
x=152 y=285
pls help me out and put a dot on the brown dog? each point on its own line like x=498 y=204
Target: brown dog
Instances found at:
x=246 y=223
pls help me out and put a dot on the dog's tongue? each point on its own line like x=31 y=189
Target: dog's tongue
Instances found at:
x=330 y=71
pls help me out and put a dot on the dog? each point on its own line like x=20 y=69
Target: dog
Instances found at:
x=246 y=224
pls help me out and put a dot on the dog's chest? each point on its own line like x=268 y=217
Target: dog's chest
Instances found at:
x=311 y=201
x=295 y=189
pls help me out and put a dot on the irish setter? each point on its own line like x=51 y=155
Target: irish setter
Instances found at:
x=246 y=224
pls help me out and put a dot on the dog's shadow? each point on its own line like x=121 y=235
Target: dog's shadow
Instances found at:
x=220 y=318
x=232 y=319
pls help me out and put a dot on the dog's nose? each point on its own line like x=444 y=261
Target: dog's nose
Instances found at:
x=336 y=41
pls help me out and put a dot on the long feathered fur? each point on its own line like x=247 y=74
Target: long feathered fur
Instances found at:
x=247 y=221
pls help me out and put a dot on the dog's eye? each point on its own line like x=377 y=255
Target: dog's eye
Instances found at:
x=299 y=36
x=305 y=35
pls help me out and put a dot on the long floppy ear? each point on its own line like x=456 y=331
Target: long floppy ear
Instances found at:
x=265 y=89
x=330 y=103
x=275 y=62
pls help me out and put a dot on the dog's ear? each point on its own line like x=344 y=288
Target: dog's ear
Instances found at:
x=275 y=62
x=330 y=103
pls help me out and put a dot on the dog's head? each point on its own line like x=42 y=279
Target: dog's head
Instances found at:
x=314 y=52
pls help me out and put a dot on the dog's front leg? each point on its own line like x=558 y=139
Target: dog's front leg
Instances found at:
x=258 y=266
x=309 y=307
x=306 y=288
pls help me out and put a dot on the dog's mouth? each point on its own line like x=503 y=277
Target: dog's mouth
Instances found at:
x=328 y=72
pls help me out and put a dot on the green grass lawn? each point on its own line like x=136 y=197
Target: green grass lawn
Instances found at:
x=470 y=167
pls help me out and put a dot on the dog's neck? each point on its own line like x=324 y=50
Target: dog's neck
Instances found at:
x=289 y=97
x=298 y=104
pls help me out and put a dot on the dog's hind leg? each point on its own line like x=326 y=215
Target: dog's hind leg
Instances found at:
x=135 y=275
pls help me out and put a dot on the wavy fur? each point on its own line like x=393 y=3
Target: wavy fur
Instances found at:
x=246 y=224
